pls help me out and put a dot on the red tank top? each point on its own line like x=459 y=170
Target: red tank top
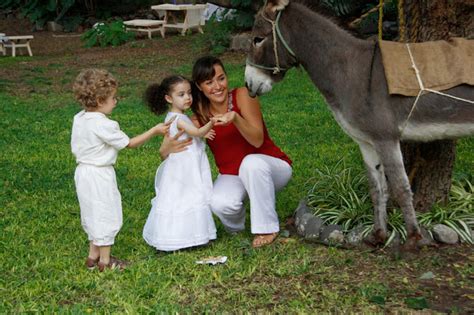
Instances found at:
x=229 y=147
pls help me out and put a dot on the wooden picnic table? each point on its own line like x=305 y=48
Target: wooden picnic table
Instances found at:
x=15 y=42
x=192 y=16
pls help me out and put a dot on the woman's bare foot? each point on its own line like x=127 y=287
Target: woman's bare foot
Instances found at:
x=264 y=239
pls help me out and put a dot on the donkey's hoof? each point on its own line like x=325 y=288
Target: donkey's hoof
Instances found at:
x=376 y=239
x=415 y=242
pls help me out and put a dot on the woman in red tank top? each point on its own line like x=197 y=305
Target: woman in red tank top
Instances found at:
x=250 y=164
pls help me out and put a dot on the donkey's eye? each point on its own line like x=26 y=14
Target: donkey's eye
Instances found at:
x=257 y=40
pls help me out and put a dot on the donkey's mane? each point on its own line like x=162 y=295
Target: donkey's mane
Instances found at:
x=317 y=8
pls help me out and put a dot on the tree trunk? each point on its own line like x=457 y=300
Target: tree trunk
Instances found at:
x=429 y=165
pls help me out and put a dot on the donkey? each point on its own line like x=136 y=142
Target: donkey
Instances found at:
x=350 y=75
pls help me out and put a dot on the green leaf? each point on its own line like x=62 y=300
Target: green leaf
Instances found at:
x=377 y=299
x=416 y=303
x=52 y=5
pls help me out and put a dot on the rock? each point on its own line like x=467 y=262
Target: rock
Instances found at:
x=336 y=237
x=302 y=223
x=301 y=210
x=313 y=228
x=355 y=237
x=427 y=239
x=285 y=234
x=54 y=27
x=427 y=276
x=327 y=235
x=445 y=234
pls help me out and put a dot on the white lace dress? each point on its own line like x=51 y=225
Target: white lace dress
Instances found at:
x=180 y=215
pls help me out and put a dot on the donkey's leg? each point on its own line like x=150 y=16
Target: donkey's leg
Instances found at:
x=378 y=190
x=391 y=156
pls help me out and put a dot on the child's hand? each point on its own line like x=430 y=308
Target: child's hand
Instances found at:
x=210 y=135
x=224 y=119
x=163 y=128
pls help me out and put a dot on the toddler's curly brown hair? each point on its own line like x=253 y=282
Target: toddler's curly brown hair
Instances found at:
x=93 y=86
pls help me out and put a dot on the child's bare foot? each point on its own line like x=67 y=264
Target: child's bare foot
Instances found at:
x=264 y=239
x=91 y=263
x=114 y=263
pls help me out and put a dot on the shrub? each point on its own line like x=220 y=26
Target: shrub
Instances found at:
x=217 y=34
x=111 y=34
x=340 y=195
x=219 y=28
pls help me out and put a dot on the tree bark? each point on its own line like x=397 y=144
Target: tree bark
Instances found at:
x=429 y=165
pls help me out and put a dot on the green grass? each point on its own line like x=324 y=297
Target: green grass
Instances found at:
x=43 y=246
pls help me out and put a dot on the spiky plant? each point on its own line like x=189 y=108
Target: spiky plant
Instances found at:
x=458 y=214
x=339 y=195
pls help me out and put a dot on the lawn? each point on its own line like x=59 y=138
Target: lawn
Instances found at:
x=43 y=246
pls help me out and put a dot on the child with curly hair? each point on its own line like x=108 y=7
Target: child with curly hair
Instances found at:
x=95 y=143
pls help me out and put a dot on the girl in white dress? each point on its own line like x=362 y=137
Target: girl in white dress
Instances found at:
x=180 y=215
x=95 y=143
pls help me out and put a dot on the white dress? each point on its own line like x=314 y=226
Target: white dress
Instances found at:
x=95 y=142
x=180 y=215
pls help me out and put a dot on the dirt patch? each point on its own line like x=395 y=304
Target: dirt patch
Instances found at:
x=384 y=280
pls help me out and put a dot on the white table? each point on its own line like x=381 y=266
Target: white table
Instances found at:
x=147 y=26
x=15 y=42
x=192 y=16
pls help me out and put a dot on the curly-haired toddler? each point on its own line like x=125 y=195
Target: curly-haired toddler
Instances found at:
x=95 y=143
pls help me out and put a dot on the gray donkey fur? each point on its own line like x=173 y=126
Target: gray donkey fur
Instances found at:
x=349 y=73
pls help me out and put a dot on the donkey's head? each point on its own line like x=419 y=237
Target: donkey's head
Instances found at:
x=270 y=56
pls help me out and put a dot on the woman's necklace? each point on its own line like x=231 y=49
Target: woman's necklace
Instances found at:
x=229 y=107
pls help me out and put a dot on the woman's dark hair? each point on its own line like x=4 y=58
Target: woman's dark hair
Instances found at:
x=203 y=70
x=154 y=96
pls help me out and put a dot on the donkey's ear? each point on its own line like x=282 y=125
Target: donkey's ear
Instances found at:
x=276 y=5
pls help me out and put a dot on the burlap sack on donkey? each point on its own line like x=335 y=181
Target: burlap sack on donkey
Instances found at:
x=442 y=65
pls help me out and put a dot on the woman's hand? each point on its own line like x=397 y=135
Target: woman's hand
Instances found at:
x=173 y=145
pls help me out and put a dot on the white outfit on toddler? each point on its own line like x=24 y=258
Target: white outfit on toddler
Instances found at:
x=95 y=142
x=180 y=215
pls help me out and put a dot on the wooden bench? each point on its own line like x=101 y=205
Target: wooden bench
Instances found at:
x=147 y=26
x=15 y=42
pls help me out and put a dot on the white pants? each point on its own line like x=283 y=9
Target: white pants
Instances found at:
x=100 y=203
x=260 y=176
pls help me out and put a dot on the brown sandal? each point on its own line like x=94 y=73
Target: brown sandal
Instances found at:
x=91 y=263
x=264 y=239
x=114 y=263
